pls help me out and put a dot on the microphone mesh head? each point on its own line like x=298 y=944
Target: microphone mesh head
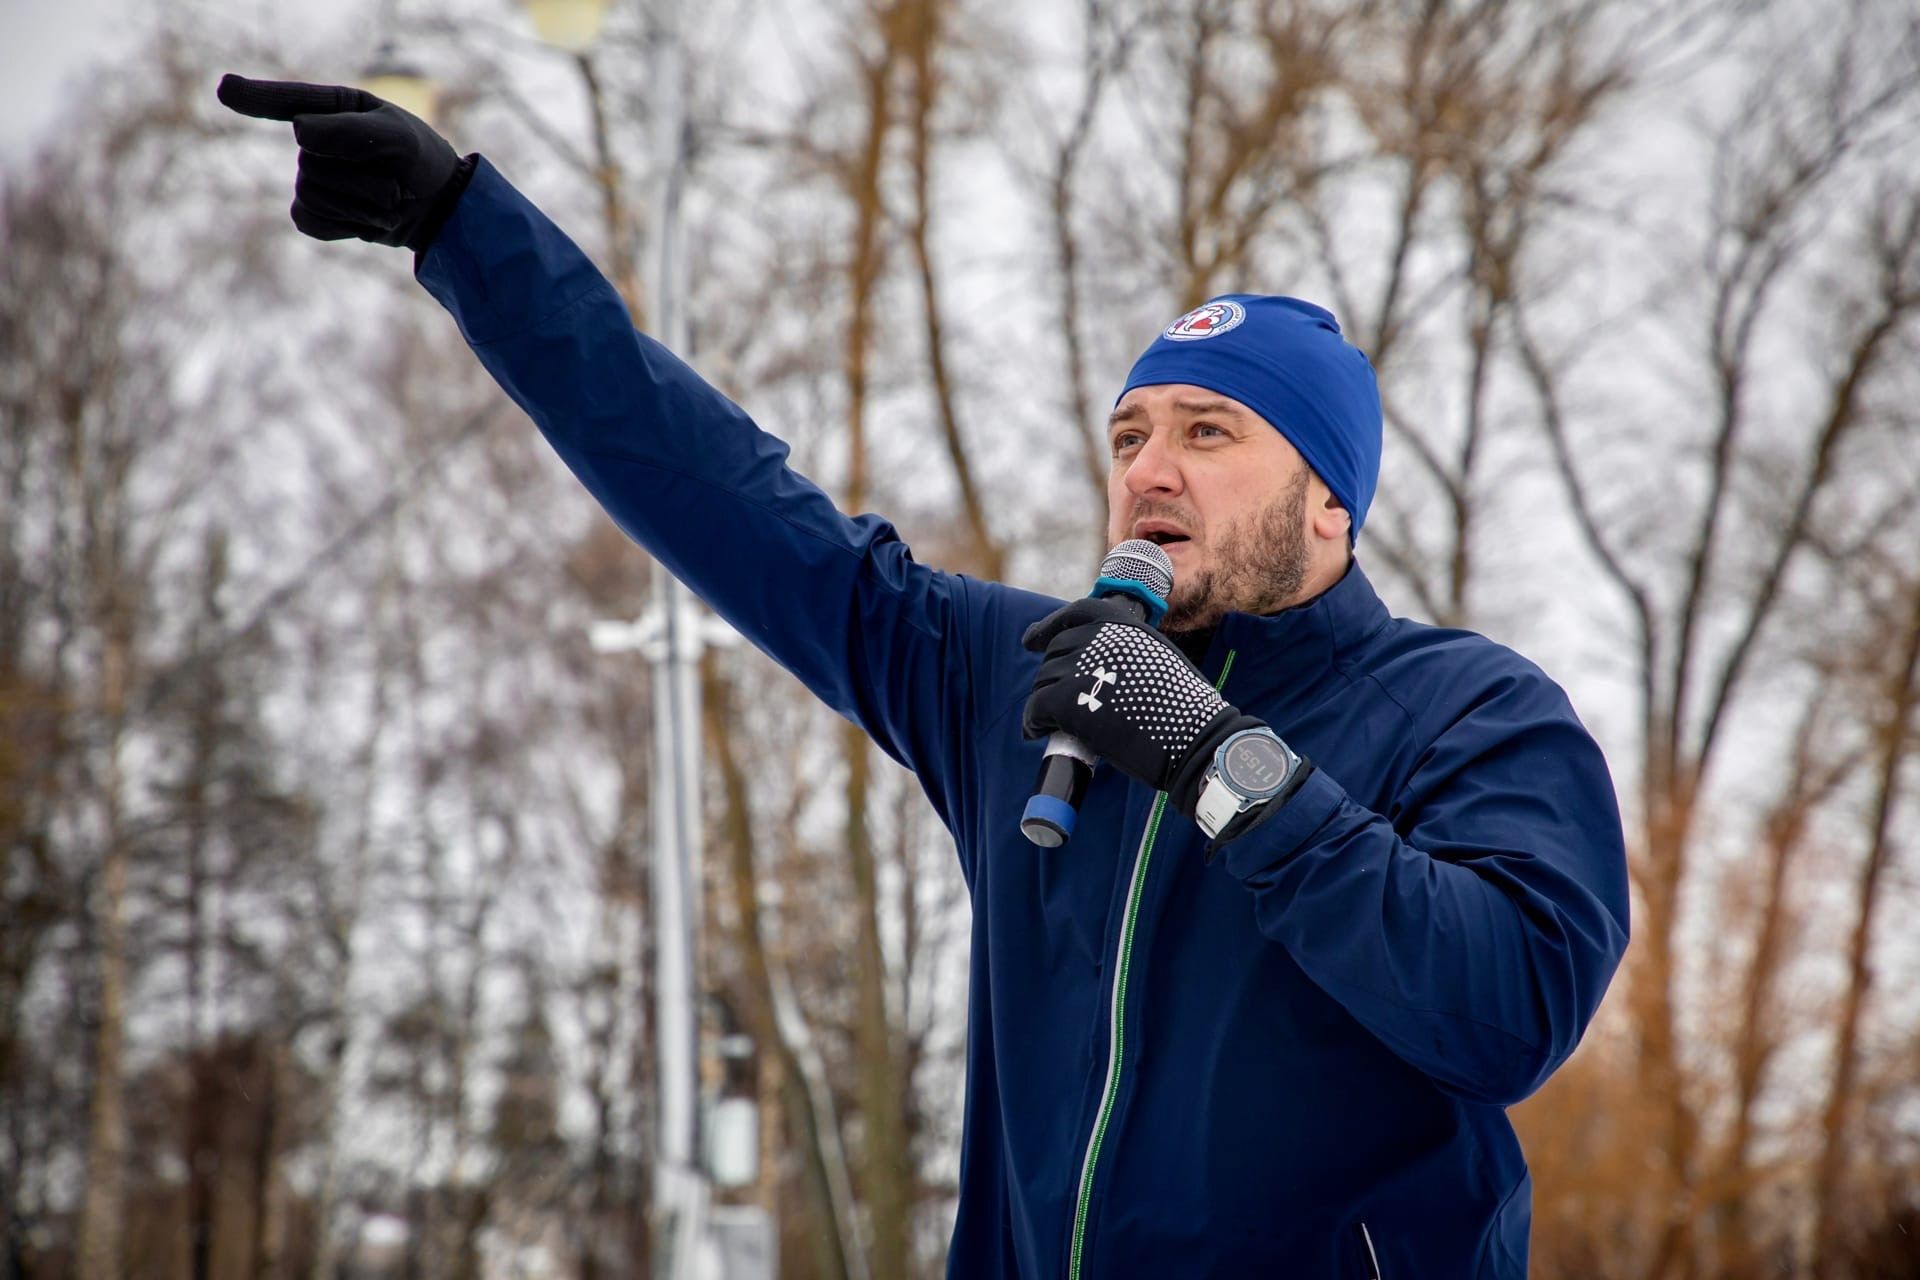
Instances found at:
x=1141 y=561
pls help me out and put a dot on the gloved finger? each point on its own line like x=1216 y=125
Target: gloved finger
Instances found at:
x=1065 y=648
x=331 y=171
x=285 y=99
x=321 y=228
x=1035 y=722
x=372 y=199
x=1052 y=672
x=372 y=184
x=357 y=135
x=1073 y=614
x=1038 y=719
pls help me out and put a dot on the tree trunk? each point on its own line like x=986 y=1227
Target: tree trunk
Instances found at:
x=923 y=35
x=342 y=913
x=884 y=1164
x=200 y=1133
x=104 y=1209
x=815 y=1134
x=1654 y=995
x=1842 y=1099
x=270 y=1200
x=886 y=1168
x=1757 y=1037
x=1061 y=192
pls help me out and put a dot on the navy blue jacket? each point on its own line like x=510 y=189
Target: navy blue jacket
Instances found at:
x=1292 y=1060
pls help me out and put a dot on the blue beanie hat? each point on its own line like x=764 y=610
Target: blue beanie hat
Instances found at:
x=1285 y=360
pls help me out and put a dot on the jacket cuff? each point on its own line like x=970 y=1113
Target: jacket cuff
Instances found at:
x=443 y=205
x=1284 y=834
x=497 y=259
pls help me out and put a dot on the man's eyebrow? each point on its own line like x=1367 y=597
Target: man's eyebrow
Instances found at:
x=1222 y=408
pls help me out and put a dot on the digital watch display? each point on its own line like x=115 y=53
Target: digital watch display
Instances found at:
x=1249 y=769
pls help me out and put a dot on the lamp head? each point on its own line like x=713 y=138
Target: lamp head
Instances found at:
x=571 y=25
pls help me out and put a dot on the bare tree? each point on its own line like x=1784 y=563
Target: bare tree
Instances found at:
x=926 y=31
x=1894 y=750
x=1783 y=174
x=461 y=790
x=88 y=409
x=1822 y=764
x=765 y=1000
x=1105 y=47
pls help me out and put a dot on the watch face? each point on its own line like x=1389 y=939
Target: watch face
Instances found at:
x=1255 y=764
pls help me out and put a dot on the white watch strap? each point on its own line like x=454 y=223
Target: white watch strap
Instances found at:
x=1218 y=805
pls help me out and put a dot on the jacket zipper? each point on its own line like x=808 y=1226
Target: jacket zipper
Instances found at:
x=1117 y=1017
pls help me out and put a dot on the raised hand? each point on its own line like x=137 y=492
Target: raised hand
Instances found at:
x=367 y=169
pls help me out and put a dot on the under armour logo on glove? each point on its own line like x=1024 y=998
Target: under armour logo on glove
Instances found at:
x=1091 y=699
x=1161 y=725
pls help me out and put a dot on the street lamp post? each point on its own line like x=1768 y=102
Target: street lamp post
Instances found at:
x=671 y=635
x=681 y=1188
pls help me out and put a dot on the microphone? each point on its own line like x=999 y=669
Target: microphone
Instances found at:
x=1140 y=575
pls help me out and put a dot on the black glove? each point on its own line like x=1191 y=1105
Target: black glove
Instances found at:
x=367 y=168
x=1130 y=695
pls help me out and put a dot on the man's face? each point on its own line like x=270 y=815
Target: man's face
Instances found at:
x=1221 y=490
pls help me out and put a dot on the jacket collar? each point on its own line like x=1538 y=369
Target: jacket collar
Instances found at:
x=1296 y=645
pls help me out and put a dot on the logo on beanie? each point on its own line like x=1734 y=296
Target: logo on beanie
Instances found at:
x=1209 y=320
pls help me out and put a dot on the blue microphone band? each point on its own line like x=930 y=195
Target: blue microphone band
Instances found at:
x=1156 y=607
x=1048 y=821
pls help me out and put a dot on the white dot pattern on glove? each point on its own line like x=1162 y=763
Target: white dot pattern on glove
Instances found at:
x=1148 y=685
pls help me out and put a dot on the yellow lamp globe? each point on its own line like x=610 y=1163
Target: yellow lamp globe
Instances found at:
x=391 y=78
x=572 y=25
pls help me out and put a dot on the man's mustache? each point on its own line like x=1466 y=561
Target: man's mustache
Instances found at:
x=1181 y=516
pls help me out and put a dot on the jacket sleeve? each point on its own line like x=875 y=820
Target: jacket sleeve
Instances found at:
x=838 y=601
x=1476 y=930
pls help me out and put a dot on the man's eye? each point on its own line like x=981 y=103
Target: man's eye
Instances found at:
x=1126 y=440
x=1207 y=428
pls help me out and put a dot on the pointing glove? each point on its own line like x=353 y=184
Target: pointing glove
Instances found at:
x=1130 y=695
x=367 y=168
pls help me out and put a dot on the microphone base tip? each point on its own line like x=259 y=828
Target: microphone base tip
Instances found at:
x=1042 y=833
x=1048 y=821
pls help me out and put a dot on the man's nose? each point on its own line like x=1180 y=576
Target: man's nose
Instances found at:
x=1153 y=470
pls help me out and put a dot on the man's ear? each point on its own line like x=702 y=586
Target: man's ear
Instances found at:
x=1330 y=519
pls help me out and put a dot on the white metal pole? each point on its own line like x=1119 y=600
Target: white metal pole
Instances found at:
x=680 y=1187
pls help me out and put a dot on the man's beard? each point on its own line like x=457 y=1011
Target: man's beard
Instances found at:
x=1259 y=565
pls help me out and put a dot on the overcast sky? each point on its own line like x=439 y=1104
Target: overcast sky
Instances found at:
x=44 y=50
x=47 y=48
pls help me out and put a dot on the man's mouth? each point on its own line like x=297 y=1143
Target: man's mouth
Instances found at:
x=1165 y=535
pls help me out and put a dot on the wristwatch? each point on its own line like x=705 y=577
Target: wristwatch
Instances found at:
x=1251 y=769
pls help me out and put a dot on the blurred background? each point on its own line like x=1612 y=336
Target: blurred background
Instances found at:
x=326 y=943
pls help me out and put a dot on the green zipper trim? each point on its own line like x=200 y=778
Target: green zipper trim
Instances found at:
x=1118 y=1041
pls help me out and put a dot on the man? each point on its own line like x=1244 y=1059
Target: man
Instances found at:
x=1352 y=885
